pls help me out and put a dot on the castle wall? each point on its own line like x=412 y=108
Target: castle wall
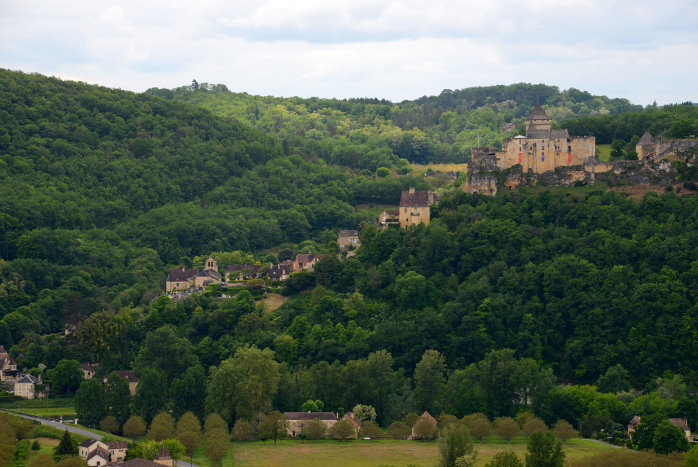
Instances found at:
x=541 y=154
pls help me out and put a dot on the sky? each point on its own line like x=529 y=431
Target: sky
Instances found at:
x=644 y=51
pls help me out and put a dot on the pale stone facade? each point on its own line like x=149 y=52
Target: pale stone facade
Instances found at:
x=651 y=148
x=415 y=207
x=543 y=149
x=297 y=421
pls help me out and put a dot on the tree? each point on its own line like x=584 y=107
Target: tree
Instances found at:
x=533 y=424
x=669 y=438
x=162 y=427
x=544 y=451
x=343 y=430
x=89 y=402
x=382 y=172
x=66 y=376
x=110 y=424
x=243 y=431
x=216 y=443
x=274 y=425
x=134 y=427
x=478 y=424
x=215 y=422
x=312 y=406
x=429 y=380
x=189 y=432
x=454 y=444
x=117 y=397
x=158 y=350
x=563 y=431
x=643 y=437
x=151 y=393
x=398 y=430
x=189 y=392
x=364 y=412
x=244 y=385
x=66 y=446
x=174 y=447
x=315 y=429
x=370 y=429
x=505 y=459
x=615 y=379
x=506 y=427
x=424 y=429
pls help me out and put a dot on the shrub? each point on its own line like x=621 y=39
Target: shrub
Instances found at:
x=398 y=430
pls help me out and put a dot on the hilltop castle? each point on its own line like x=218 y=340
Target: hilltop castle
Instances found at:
x=543 y=149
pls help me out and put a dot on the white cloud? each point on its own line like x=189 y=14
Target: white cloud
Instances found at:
x=394 y=49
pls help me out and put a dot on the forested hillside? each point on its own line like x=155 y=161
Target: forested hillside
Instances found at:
x=100 y=188
x=370 y=133
x=502 y=304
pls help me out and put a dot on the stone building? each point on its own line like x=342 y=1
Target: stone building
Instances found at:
x=348 y=240
x=542 y=148
x=297 y=421
x=415 y=207
x=651 y=148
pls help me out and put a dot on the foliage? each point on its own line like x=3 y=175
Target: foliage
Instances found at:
x=312 y=406
x=364 y=412
x=151 y=393
x=691 y=457
x=398 y=430
x=626 y=458
x=534 y=424
x=563 y=431
x=370 y=429
x=134 y=427
x=117 y=397
x=505 y=459
x=506 y=427
x=110 y=424
x=89 y=402
x=162 y=427
x=343 y=430
x=215 y=437
x=669 y=438
x=543 y=450
x=189 y=431
x=41 y=461
x=478 y=424
x=274 y=425
x=243 y=430
x=72 y=461
x=315 y=429
x=66 y=376
x=455 y=442
x=424 y=429
x=66 y=446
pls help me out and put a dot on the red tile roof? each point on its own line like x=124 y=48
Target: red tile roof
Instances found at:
x=310 y=415
x=182 y=274
x=416 y=199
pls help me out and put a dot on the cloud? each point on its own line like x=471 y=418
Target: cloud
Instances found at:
x=393 y=49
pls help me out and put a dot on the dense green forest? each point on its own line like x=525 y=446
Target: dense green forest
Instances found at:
x=518 y=302
x=370 y=133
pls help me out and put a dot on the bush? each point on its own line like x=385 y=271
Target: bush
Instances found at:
x=36 y=446
x=398 y=430
x=21 y=452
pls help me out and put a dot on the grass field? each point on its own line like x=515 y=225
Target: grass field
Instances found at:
x=422 y=169
x=374 y=453
x=604 y=152
x=51 y=412
x=273 y=301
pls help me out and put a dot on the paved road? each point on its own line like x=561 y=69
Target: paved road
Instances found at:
x=74 y=429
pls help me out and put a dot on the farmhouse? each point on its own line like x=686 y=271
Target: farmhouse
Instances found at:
x=348 y=240
x=25 y=386
x=297 y=421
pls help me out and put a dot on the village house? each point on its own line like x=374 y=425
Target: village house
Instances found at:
x=387 y=218
x=8 y=367
x=426 y=415
x=180 y=279
x=99 y=453
x=415 y=207
x=355 y=422
x=132 y=380
x=297 y=421
x=88 y=371
x=281 y=271
x=209 y=275
x=348 y=240
x=679 y=422
x=237 y=273
x=306 y=262
x=25 y=387
x=163 y=457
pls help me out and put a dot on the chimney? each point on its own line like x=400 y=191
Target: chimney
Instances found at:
x=411 y=189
